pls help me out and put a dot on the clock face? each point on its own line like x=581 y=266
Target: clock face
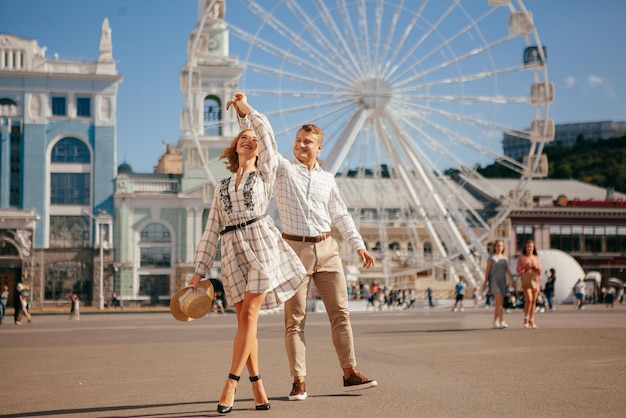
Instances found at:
x=213 y=43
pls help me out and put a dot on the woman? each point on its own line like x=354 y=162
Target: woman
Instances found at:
x=496 y=279
x=529 y=267
x=260 y=271
x=4 y=300
x=549 y=288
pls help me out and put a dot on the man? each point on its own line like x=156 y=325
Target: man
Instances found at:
x=309 y=203
x=460 y=294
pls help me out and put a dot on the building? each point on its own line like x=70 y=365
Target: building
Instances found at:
x=566 y=134
x=57 y=163
x=160 y=216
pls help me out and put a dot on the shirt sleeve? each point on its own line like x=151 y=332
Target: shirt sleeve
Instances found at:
x=268 y=150
x=343 y=220
x=207 y=248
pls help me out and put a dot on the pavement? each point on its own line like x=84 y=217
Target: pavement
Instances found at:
x=428 y=363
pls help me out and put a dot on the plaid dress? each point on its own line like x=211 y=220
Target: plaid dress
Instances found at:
x=255 y=258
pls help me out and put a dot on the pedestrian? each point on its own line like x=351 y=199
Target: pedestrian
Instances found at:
x=18 y=304
x=218 y=304
x=549 y=288
x=309 y=203
x=476 y=297
x=260 y=271
x=429 y=295
x=115 y=302
x=459 y=291
x=529 y=267
x=75 y=307
x=579 y=292
x=4 y=300
x=496 y=283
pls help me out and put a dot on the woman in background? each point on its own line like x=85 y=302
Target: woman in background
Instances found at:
x=529 y=268
x=496 y=276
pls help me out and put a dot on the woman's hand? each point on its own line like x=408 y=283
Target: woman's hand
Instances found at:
x=193 y=282
x=240 y=102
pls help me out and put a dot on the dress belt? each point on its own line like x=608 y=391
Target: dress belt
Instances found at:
x=320 y=238
x=230 y=228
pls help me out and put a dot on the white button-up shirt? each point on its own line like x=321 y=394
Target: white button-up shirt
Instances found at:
x=309 y=201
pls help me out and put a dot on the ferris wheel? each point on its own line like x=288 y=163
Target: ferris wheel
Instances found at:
x=413 y=97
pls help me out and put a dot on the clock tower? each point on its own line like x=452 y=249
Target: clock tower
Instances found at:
x=208 y=80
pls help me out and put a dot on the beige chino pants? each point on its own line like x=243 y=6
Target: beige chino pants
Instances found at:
x=323 y=264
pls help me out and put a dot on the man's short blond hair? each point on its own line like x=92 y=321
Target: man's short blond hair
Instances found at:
x=314 y=129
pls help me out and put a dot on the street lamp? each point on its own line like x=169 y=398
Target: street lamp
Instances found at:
x=100 y=243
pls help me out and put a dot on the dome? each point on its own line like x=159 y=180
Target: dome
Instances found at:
x=567 y=270
x=124 y=169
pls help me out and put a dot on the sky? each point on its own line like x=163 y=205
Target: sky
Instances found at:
x=586 y=44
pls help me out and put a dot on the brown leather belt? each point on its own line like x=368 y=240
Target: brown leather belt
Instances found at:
x=320 y=238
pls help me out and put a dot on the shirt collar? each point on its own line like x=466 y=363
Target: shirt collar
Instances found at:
x=304 y=167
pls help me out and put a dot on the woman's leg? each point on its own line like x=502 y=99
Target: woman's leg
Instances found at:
x=245 y=342
x=533 y=303
x=252 y=364
x=497 y=311
x=528 y=307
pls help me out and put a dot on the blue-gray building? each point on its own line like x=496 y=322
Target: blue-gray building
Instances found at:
x=57 y=165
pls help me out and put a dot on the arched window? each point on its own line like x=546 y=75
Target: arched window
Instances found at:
x=70 y=150
x=394 y=246
x=153 y=253
x=155 y=248
x=7 y=249
x=155 y=233
x=70 y=185
x=212 y=115
x=428 y=248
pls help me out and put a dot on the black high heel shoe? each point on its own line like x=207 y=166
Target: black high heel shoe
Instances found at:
x=262 y=407
x=226 y=409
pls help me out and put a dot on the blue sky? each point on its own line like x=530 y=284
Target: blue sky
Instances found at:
x=586 y=44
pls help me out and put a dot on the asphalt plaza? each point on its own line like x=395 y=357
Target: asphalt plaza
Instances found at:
x=428 y=363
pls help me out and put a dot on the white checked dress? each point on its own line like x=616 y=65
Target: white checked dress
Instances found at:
x=254 y=258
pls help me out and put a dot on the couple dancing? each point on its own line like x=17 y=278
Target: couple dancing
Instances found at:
x=260 y=269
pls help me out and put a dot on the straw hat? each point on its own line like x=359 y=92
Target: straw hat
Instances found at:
x=187 y=305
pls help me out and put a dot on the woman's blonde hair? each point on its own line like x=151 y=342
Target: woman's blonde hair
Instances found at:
x=230 y=153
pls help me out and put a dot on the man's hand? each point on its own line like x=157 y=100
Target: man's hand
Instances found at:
x=368 y=260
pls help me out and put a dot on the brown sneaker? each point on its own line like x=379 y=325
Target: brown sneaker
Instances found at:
x=298 y=391
x=357 y=381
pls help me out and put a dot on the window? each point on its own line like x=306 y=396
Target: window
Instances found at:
x=523 y=233
x=156 y=257
x=428 y=248
x=69 y=188
x=154 y=286
x=69 y=232
x=15 y=183
x=59 y=106
x=155 y=233
x=65 y=277
x=153 y=252
x=83 y=107
x=212 y=116
x=70 y=150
